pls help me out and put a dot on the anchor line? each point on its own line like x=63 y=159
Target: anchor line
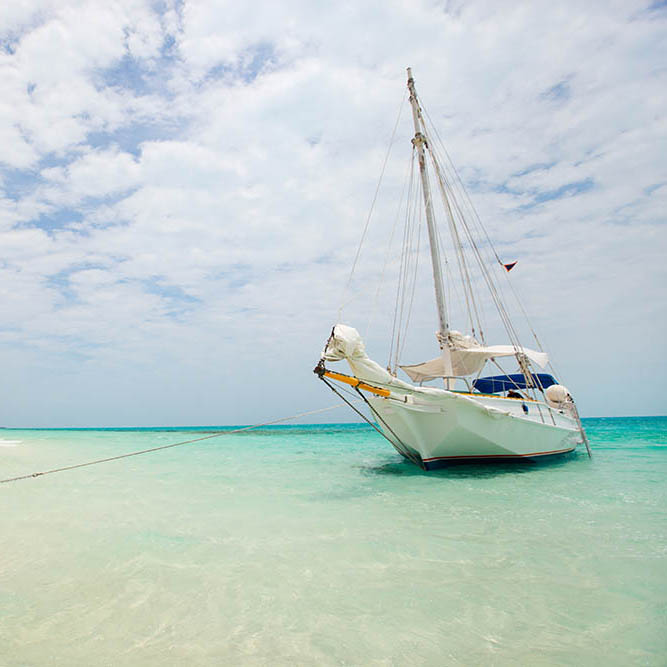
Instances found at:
x=402 y=449
x=174 y=444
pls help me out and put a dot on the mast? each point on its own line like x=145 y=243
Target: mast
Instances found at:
x=419 y=142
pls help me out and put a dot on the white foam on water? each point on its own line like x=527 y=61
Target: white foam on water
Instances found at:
x=10 y=443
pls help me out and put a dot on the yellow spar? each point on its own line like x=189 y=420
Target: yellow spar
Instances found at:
x=356 y=382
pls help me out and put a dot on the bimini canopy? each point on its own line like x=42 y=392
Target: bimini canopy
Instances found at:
x=497 y=383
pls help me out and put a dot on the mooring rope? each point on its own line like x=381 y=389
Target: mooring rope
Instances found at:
x=174 y=444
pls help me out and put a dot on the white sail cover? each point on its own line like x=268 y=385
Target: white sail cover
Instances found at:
x=469 y=357
x=346 y=343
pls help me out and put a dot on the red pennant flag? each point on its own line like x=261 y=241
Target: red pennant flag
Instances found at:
x=510 y=265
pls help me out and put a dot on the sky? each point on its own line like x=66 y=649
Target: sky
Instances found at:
x=183 y=188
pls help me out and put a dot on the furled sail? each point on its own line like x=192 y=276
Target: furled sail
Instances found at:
x=468 y=358
x=346 y=343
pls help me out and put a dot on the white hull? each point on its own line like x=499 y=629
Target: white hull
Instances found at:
x=451 y=426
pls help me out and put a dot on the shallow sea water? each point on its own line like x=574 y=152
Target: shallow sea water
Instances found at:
x=319 y=545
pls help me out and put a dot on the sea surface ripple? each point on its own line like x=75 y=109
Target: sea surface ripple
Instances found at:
x=318 y=545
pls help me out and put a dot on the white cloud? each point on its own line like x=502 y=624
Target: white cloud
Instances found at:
x=187 y=187
x=99 y=174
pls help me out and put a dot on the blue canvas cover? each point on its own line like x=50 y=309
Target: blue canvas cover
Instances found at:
x=498 y=383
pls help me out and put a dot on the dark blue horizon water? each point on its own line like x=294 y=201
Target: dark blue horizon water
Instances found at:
x=320 y=545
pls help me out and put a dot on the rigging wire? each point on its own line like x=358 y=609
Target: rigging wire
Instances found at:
x=414 y=284
x=400 y=447
x=455 y=213
x=477 y=251
x=453 y=294
x=370 y=212
x=476 y=218
x=411 y=208
x=408 y=201
x=414 y=226
x=471 y=306
x=387 y=257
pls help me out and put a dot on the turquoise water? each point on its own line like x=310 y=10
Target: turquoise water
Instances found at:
x=318 y=545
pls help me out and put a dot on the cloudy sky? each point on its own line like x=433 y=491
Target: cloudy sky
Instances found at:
x=183 y=187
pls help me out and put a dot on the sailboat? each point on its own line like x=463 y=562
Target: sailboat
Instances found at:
x=510 y=414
